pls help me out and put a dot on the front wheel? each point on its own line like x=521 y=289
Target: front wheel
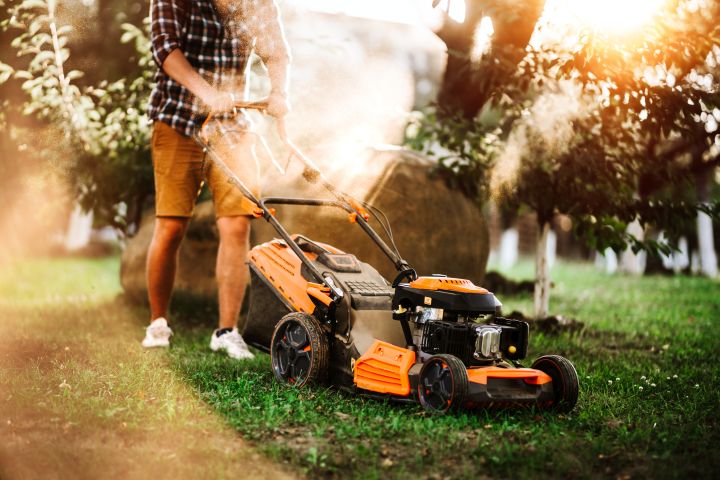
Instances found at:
x=564 y=381
x=299 y=350
x=443 y=384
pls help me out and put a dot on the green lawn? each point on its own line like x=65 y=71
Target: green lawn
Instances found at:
x=648 y=402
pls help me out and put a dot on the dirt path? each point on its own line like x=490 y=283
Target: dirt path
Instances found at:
x=79 y=398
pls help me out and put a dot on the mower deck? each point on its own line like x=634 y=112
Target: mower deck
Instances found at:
x=389 y=370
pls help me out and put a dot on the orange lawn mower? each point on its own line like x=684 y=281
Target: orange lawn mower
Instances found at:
x=325 y=316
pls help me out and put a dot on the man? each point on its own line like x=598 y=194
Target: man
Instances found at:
x=202 y=48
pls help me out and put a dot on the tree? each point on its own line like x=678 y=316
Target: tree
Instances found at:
x=585 y=132
x=103 y=128
x=469 y=82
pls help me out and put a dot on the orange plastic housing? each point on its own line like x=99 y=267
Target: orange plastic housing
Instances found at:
x=529 y=375
x=281 y=267
x=445 y=283
x=384 y=369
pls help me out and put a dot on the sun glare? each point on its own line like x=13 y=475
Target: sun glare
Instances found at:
x=613 y=17
x=455 y=9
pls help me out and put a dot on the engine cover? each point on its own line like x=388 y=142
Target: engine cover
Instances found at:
x=445 y=293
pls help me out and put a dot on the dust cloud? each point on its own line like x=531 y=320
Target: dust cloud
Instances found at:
x=35 y=208
x=352 y=86
x=549 y=121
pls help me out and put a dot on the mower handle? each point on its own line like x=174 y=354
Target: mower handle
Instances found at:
x=312 y=171
x=312 y=174
x=260 y=105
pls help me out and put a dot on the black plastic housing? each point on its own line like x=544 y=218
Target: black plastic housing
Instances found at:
x=514 y=333
x=475 y=303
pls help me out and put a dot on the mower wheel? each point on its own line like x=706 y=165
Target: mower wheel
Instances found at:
x=299 y=350
x=443 y=384
x=564 y=381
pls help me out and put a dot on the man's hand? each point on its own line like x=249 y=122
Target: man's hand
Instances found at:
x=219 y=102
x=278 y=105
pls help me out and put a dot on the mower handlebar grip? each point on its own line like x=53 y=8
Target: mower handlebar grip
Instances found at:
x=261 y=106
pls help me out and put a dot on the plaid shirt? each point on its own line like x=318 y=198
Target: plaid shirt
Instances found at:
x=216 y=42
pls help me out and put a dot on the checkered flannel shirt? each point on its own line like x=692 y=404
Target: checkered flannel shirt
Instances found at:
x=217 y=38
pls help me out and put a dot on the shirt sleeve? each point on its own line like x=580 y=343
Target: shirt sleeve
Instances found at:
x=167 y=27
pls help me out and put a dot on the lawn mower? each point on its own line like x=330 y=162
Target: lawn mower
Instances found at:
x=323 y=315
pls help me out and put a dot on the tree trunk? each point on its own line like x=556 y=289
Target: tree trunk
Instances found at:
x=542 y=273
x=509 y=241
x=467 y=85
x=79 y=230
x=706 y=238
x=630 y=262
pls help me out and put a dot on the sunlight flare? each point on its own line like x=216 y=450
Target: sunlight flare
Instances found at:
x=613 y=17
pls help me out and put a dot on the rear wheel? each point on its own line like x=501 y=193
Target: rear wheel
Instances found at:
x=564 y=381
x=299 y=350
x=443 y=384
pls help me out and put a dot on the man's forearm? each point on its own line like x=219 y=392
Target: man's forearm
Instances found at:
x=180 y=70
x=272 y=46
x=278 y=68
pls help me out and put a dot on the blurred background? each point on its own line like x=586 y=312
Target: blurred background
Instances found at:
x=563 y=153
x=538 y=129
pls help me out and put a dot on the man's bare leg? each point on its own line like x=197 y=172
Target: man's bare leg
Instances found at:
x=231 y=271
x=162 y=262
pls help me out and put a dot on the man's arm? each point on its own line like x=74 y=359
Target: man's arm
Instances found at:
x=272 y=47
x=167 y=24
x=179 y=69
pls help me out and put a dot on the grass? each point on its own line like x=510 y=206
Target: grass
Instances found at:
x=76 y=386
x=647 y=360
x=648 y=366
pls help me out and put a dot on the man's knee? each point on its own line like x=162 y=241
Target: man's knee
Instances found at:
x=234 y=228
x=169 y=232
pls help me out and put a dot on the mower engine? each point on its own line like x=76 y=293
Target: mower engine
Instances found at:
x=455 y=317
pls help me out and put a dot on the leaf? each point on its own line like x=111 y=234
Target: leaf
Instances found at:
x=127 y=37
x=32 y=4
x=44 y=56
x=73 y=75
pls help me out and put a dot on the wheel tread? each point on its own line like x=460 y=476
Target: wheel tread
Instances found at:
x=318 y=342
x=560 y=368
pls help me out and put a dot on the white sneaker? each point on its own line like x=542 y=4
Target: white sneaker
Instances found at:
x=233 y=344
x=157 y=334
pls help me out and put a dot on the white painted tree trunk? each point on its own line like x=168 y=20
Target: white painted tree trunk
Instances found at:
x=79 y=230
x=630 y=262
x=606 y=261
x=542 y=273
x=706 y=244
x=509 y=241
x=678 y=260
x=551 y=248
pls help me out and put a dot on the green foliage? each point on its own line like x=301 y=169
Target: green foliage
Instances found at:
x=103 y=130
x=606 y=131
x=465 y=150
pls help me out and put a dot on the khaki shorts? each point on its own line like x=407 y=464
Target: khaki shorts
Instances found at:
x=181 y=167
